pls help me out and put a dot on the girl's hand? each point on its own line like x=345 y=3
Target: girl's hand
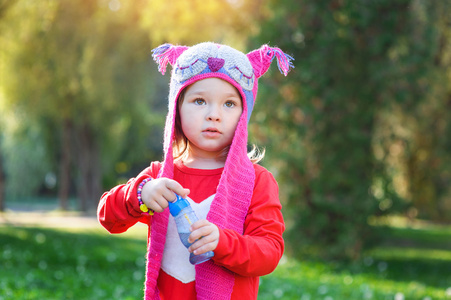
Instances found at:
x=206 y=235
x=157 y=192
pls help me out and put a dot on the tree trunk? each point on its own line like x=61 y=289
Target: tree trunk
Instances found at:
x=65 y=159
x=2 y=185
x=89 y=183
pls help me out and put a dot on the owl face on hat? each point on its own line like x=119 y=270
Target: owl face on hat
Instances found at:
x=213 y=58
x=206 y=60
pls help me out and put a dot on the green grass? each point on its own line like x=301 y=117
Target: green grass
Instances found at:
x=409 y=264
x=38 y=263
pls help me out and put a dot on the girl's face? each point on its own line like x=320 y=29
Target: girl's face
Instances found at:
x=209 y=114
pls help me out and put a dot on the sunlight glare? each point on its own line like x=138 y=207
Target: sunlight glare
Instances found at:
x=114 y=5
x=235 y=3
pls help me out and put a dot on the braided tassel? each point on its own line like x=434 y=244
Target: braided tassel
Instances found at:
x=165 y=54
x=262 y=58
x=284 y=61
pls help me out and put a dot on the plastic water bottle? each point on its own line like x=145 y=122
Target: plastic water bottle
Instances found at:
x=184 y=217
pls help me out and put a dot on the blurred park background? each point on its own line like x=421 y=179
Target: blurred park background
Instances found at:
x=358 y=136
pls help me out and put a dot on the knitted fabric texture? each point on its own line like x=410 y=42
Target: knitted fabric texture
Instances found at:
x=234 y=192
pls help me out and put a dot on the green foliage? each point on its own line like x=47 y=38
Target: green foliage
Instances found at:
x=182 y=22
x=412 y=131
x=80 y=72
x=322 y=125
x=22 y=164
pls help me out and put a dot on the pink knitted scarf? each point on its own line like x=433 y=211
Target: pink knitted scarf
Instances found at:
x=234 y=192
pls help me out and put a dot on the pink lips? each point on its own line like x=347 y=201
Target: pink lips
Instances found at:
x=211 y=132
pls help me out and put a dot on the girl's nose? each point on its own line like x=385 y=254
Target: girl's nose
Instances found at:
x=213 y=114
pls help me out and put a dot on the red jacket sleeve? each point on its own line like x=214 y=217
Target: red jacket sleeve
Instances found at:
x=258 y=251
x=118 y=208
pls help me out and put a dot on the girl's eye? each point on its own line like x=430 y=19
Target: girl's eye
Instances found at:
x=199 y=101
x=230 y=104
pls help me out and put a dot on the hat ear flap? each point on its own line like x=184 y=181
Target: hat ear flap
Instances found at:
x=165 y=54
x=262 y=58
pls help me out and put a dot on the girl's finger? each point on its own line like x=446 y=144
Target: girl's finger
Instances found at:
x=158 y=204
x=177 y=188
x=203 y=249
x=199 y=224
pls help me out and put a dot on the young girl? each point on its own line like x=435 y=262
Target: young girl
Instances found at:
x=212 y=93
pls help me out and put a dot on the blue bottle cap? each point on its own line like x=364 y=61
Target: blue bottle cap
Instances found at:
x=176 y=206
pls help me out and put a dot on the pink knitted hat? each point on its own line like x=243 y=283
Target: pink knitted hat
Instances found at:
x=234 y=192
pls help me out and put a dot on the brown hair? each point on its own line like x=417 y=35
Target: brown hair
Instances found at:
x=180 y=144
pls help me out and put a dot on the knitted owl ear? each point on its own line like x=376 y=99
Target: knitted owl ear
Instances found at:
x=262 y=58
x=165 y=54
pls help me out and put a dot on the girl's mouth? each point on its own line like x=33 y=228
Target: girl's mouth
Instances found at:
x=211 y=132
x=211 y=129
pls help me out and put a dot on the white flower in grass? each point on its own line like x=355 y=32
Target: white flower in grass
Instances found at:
x=399 y=296
x=42 y=265
x=368 y=261
x=305 y=297
x=278 y=293
x=322 y=289
x=368 y=294
x=40 y=238
x=111 y=257
x=347 y=280
x=382 y=266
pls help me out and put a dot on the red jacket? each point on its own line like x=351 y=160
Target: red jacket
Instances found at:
x=253 y=254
